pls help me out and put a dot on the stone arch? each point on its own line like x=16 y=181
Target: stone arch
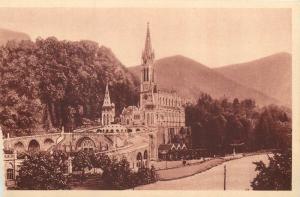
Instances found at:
x=19 y=147
x=34 y=146
x=85 y=143
x=48 y=142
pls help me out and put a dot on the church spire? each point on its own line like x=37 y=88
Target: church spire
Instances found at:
x=148 y=46
x=148 y=53
x=106 y=97
x=108 y=109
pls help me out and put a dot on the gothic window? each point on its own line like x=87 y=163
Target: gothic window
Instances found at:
x=147 y=74
x=139 y=159
x=10 y=174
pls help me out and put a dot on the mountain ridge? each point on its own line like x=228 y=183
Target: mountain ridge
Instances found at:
x=271 y=75
x=191 y=78
x=6 y=35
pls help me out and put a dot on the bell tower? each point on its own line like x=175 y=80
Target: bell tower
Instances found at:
x=147 y=72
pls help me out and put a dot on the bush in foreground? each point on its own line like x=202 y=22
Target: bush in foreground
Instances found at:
x=277 y=175
x=43 y=171
x=119 y=175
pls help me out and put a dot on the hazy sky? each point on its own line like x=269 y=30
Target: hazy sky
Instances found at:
x=214 y=37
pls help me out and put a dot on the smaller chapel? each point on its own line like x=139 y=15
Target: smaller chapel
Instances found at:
x=108 y=109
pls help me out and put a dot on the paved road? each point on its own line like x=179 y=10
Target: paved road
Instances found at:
x=240 y=173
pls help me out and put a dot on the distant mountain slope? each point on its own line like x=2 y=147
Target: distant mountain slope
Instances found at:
x=6 y=35
x=189 y=78
x=271 y=75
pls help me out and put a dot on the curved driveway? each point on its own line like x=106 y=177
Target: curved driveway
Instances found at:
x=240 y=173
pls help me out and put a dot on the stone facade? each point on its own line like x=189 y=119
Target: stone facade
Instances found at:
x=159 y=109
x=137 y=137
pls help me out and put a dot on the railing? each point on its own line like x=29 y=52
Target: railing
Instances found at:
x=30 y=136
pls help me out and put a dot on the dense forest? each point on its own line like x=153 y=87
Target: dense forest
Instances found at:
x=47 y=84
x=219 y=124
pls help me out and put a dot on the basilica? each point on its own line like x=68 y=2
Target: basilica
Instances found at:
x=161 y=110
x=137 y=135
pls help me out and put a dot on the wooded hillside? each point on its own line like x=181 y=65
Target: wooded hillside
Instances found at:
x=48 y=84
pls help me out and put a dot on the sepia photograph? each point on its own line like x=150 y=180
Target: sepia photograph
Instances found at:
x=145 y=98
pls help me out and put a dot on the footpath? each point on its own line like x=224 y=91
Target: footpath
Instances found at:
x=188 y=170
x=197 y=167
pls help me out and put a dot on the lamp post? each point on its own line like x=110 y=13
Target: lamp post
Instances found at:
x=224 y=177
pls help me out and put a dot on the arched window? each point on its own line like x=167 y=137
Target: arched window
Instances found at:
x=145 y=163
x=10 y=174
x=145 y=154
x=139 y=159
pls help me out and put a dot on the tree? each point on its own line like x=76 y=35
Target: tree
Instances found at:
x=81 y=161
x=40 y=81
x=43 y=171
x=275 y=176
x=117 y=175
x=273 y=128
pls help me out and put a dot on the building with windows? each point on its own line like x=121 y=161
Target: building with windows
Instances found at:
x=141 y=130
x=158 y=109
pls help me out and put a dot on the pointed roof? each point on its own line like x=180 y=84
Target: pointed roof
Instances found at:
x=107 y=101
x=148 y=46
x=148 y=52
